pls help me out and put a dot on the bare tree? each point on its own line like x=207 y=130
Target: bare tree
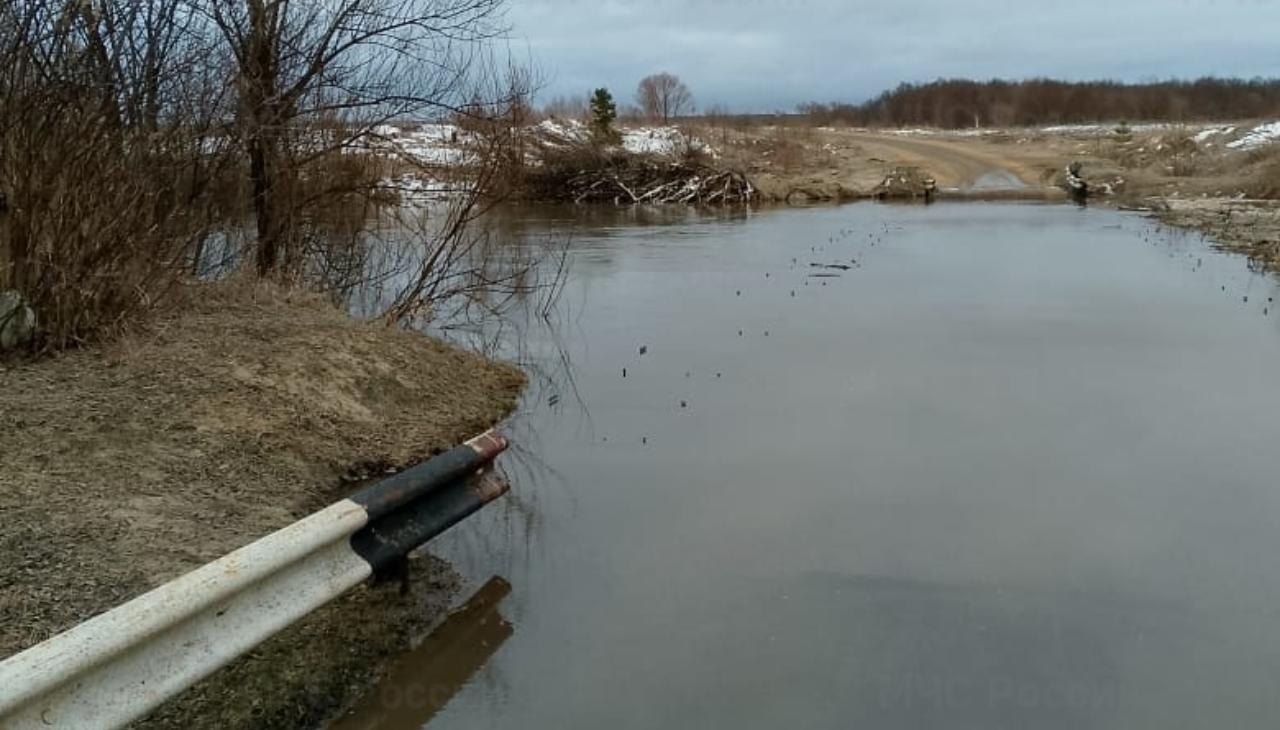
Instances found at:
x=663 y=96
x=119 y=120
x=435 y=260
x=365 y=61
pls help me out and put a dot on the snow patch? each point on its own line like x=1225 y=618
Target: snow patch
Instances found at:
x=433 y=144
x=1110 y=128
x=413 y=189
x=660 y=141
x=564 y=131
x=1259 y=136
x=1203 y=135
x=636 y=140
x=1073 y=128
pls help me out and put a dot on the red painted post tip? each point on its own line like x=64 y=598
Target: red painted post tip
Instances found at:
x=489 y=444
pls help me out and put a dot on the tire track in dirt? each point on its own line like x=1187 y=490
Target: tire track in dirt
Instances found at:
x=952 y=163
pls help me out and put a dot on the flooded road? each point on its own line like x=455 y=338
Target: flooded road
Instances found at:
x=1015 y=467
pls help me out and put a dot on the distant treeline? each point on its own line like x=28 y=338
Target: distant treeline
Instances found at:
x=961 y=103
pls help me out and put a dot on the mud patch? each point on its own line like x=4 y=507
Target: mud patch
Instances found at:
x=1248 y=227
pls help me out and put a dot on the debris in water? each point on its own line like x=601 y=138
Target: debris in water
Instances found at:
x=684 y=404
x=644 y=349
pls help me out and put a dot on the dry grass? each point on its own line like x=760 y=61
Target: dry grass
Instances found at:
x=235 y=415
x=1266 y=173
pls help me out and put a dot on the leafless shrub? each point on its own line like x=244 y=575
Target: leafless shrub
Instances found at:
x=568 y=107
x=436 y=261
x=353 y=63
x=108 y=146
x=342 y=70
x=1182 y=153
x=136 y=136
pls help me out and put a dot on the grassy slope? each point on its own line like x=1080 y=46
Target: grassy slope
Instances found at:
x=124 y=467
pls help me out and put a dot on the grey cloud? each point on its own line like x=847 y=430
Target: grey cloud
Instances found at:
x=773 y=54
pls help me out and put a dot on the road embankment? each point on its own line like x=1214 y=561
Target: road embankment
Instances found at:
x=223 y=420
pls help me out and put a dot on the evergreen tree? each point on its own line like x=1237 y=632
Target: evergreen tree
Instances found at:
x=603 y=114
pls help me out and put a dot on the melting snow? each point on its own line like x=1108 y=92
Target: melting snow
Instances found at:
x=1109 y=128
x=1258 y=136
x=1074 y=128
x=660 y=141
x=432 y=144
x=412 y=189
x=570 y=130
x=1205 y=134
x=637 y=140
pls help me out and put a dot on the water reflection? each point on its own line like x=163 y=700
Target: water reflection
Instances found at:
x=420 y=683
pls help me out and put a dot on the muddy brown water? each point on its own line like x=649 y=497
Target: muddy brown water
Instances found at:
x=1018 y=467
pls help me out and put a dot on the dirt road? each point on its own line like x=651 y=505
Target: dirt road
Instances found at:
x=953 y=163
x=844 y=164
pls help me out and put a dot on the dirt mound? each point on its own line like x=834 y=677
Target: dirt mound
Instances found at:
x=125 y=467
x=906 y=182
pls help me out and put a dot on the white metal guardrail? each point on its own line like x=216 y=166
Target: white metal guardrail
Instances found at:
x=122 y=664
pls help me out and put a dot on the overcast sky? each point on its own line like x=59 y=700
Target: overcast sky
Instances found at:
x=766 y=55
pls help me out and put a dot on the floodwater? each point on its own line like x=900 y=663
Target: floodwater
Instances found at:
x=998 y=180
x=1018 y=467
